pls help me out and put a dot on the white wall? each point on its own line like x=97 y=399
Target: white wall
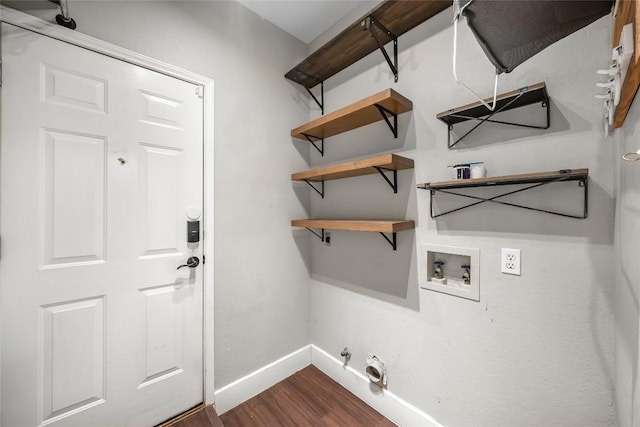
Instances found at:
x=261 y=276
x=537 y=349
x=627 y=290
x=361 y=10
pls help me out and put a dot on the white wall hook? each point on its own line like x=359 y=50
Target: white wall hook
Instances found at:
x=617 y=88
x=609 y=110
x=614 y=86
x=612 y=70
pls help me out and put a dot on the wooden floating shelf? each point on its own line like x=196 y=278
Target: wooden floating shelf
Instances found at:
x=507 y=101
x=372 y=226
x=355 y=168
x=353 y=116
x=522 y=97
x=376 y=226
x=531 y=178
x=354 y=43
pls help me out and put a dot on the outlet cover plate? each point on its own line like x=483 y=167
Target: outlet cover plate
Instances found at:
x=510 y=261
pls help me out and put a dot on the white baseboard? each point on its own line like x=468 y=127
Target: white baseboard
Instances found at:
x=388 y=404
x=243 y=389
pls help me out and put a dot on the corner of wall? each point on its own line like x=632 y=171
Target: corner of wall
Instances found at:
x=243 y=389
x=388 y=404
x=343 y=23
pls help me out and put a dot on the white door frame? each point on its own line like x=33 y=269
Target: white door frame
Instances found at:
x=37 y=25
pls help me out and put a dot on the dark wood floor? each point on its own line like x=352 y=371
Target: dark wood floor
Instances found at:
x=205 y=417
x=307 y=398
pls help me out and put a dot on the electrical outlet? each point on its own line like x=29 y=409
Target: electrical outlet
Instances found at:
x=510 y=262
x=327 y=238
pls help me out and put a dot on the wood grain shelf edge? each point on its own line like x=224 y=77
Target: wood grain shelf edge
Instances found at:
x=344 y=117
x=355 y=168
x=378 y=226
x=501 y=96
x=353 y=43
x=507 y=179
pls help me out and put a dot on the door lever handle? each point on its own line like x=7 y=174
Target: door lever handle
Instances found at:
x=192 y=262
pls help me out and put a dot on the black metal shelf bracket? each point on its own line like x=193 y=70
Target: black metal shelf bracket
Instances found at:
x=368 y=24
x=385 y=115
x=319 y=235
x=582 y=182
x=487 y=118
x=313 y=139
x=316 y=80
x=321 y=102
x=392 y=241
x=320 y=191
x=394 y=183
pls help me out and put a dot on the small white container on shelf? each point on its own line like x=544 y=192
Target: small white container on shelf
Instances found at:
x=478 y=170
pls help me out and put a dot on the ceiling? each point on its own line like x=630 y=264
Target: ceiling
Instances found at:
x=304 y=19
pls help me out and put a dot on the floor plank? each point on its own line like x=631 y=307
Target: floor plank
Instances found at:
x=307 y=398
x=205 y=417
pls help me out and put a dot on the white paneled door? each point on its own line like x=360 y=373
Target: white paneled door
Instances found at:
x=100 y=162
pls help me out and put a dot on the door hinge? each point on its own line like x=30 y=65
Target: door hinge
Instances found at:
x=204 y=259
x=0 y=73
x=200 y=91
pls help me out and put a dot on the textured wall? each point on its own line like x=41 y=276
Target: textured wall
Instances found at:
x=627 y=291
x=537 y=349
